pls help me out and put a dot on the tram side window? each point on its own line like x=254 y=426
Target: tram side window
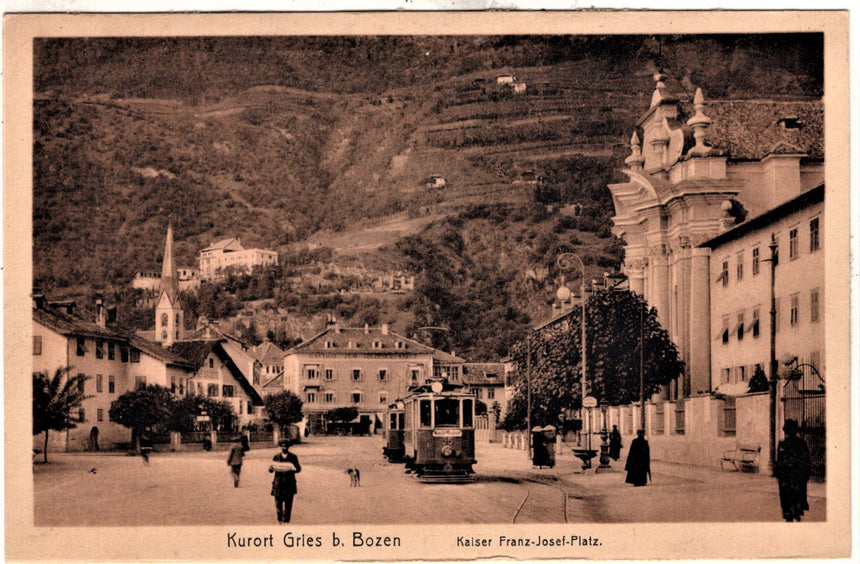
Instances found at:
x=467 y=413
x=425 y=413
x=400 y=421
x=447 y=413
x=392 y=422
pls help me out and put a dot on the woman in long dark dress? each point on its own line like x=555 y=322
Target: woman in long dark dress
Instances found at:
x=615 y=443
x=638 y=461
x=284 y=482
x=792 y=469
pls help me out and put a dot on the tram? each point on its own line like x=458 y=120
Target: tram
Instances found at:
x=439 y=433
x=392 y=432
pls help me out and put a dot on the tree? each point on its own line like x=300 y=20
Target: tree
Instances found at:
x=284 y=408
x=341 y=414
x=142 y=409
x=758 y=382
x=612 y=356
x=54 y=401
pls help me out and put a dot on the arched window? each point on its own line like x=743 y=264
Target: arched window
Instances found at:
x=163 y=319
x=164 y=335
x=177 y=319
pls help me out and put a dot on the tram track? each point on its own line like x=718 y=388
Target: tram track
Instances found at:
x=530 y=485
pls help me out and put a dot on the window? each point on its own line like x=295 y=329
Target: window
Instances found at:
x=724 y=334
x=164 y=335
x=211 y=362
x=177 y=320
x=329 y=374
x=424 y=413
x=755 y=323
x=447 y=412
x=413 y=375
x=383 y=398
x=491 y=393
x=795 y=305
x=755 y=261
x=111 y=350
x=725 y=373
x=37 y=345
x=468 y=410
x=99 y=382
x=82 y=416
x=212 y=390
x=356 y=397
x=311 y=397
x=100 y=348
x=100 y=414
x=814 y=237
x=814 y=312
x=139 y=382
x=164 y=320
x=81 y=381
x=740 y=266
x=134 y=355
x=81 y=348
x=250 y=408
x=739 y=328
x=742 y=373
x=792 y=244
x=227 y=391
x=111 y=384
x=356 y=374
x=329 y=397
x=383 y=374
x=724 y=273
x=123 y=354
x=311 y=372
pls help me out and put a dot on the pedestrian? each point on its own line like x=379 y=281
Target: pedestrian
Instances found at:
x=145 y=448
x=791 y=470
x=237 y=454
x=285 y=465
x=638 y=461
x=615 y=443
x=246 y=445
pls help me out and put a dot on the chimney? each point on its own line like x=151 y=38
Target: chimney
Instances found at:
x=101 y=312
x=366 y=329
x=38 y=298
x=385 y=328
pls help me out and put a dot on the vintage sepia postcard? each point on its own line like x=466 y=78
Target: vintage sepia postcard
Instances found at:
x=427 y=286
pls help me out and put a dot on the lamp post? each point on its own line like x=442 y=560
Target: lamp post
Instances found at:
x=642 y=366
x=774 y=376
x=565 y=262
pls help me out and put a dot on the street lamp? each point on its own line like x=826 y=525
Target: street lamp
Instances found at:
x=774 y=376
x=565 y=262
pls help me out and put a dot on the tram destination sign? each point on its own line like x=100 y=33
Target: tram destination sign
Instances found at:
x=447 y=433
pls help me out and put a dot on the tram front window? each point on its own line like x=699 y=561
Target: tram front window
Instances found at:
x=467 y=413
x=392 y=421
x=447 y=413
x=425 y=413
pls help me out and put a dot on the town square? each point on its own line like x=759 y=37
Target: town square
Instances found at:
x=432 y=295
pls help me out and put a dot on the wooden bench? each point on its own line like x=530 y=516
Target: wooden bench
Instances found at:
x=744 y=457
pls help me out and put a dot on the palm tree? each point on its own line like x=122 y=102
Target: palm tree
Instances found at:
x=54 y=399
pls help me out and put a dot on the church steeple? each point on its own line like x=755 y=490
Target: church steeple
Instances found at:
x=169 y=317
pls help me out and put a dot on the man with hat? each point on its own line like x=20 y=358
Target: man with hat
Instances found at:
x=791 y=470
x=285 y=466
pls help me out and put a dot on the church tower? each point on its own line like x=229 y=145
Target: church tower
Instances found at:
x=169 y=317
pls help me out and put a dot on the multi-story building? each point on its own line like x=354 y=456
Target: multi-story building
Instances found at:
x=229 y=255
x=740 y=296
x=115 y=362
x=486 y=380
x=271 y=359
x=366 y=368
x=693 y=174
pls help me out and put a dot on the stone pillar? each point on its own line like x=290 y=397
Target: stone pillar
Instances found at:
x=660 y=289
x=175 y=441
x=213 y=436
x=699 y=360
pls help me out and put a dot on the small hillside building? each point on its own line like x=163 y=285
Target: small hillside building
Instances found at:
x=229 y=255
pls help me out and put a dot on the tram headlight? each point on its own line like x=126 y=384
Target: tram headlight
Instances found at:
x=447 y=451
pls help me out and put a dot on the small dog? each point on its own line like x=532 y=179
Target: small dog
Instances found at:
x=354 y=477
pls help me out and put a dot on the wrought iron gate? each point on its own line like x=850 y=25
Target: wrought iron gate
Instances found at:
x=803 y=400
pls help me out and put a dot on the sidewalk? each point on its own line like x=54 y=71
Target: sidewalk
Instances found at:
x=677 y=492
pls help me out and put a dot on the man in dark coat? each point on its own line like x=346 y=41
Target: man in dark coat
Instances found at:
x=615 y=443
x=638 y=461
x=791 y=469
x=284 y=482
x=234 y=460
